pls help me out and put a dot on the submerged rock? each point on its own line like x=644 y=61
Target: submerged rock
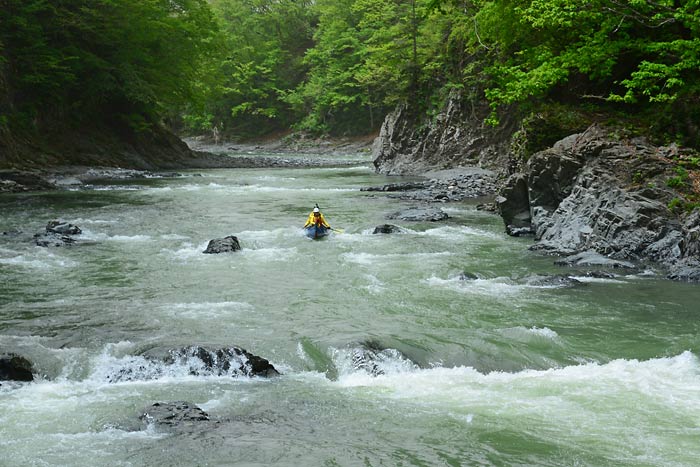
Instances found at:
x=387 y=229
x=429 y=214
x=223 y=245
x=173 y=414
x=15 y=368
x=372 y=358
x=467 y=276
x=558 y=280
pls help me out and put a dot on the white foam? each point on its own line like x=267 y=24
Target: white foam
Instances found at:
x=522 y=333
x=667 y=381
x=207 y=309
x=187 y=251
x=174 y=237
x=39 y=258
x=454 y=232
x=375 y=286
x=495 y=287
x=270 y=254
x=102 y=237
x=371 y=258
x=593 y=280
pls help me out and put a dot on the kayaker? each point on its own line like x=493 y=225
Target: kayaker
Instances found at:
x=316 y=219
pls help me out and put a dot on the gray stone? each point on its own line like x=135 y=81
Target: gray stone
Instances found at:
x=591 y=258
x=178 y=414
x=429 y=214
x=223 y=245
x=15 y=368
x=387 y=229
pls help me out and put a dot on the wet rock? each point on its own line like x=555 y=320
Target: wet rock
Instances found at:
x=514 y=231
x=591 y=258
x=12 y=233
x=19 y=181
x=387 y=229
x=580 y=196
x=513 y=203
x=174 y=414
x=62 y=228
x=467 y=276
x=599 y=274
x=558 y=280
x=687 y=270
x=57 y=233
x=430 y=214
x=372 y=358
x=487 y=207
x=233 y=361
x=15 y=368
x=396 y=187
x=223 y=245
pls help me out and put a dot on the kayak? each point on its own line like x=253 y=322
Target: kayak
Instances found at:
x=316 y=232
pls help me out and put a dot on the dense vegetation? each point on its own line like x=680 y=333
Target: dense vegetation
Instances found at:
x=250 y=67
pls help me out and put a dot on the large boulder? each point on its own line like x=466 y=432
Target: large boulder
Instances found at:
x=223 y=245
x=15 y=368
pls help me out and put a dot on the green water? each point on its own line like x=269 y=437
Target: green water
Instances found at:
x=492 y=371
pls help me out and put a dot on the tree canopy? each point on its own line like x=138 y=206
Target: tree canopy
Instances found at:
x=251 y=67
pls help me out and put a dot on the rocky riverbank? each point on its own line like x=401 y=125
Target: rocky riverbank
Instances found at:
x=621 y=198
x=593 y=194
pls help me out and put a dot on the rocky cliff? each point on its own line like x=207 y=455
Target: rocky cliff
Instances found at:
x=596 y=193
x=455 y=137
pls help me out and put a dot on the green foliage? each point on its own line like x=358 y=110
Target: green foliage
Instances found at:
x=248 y=67
x=129 y=60
x=678 y=205
x=264 y=42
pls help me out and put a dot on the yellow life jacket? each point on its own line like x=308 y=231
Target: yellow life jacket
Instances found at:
x=312 y=221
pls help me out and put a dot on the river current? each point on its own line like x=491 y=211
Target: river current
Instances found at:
x=496 y=370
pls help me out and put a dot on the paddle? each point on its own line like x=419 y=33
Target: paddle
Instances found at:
x=338 y=230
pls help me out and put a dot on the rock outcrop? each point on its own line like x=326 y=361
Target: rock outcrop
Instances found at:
x=594 y=194
x=456 y=137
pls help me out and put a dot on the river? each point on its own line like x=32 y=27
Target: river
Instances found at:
x=496 y=370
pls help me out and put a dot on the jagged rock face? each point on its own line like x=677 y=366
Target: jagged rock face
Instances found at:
x=456 y=137
x=580 y=198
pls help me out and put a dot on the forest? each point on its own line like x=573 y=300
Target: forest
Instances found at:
x=337 y=67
